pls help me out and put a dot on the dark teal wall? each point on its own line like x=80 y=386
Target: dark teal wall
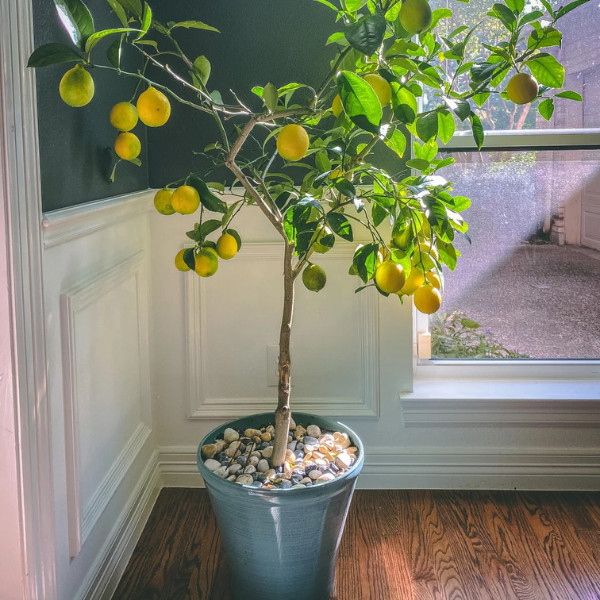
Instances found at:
x=74 y=161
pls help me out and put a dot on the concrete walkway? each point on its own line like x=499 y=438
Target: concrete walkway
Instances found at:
x=537 y=299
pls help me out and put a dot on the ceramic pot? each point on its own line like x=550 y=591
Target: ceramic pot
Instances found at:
x=281 y=544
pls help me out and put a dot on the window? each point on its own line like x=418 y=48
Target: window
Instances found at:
x=527 y=287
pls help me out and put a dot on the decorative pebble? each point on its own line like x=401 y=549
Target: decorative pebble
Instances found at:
x=267 y=452
x=343 y=461
x=326 y=477
x=298 y=485
x=245 y=480
x=285 y=484
x=230 y=435
x=313 y=431
x=263 y=465
x=212 y=465
x=292 y=424
x=209 y=450
x=253 y=460
x=221 y=472
x=235 y=467
x=314 y=475
x=231 y=478
x=309 y=440
x=292 y=445
x=250 y=469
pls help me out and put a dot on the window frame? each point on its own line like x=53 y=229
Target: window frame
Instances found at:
x=506 y=369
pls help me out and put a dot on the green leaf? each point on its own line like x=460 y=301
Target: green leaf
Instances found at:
x=546 y=108
x=461 y=108
x=447 y=254
x=119 y=11
x=477 y=128
x=113 y=53
x=470 y=324
x=193 y=25
x=480 y=99
x=419 y=164
x=53 y=54
x=427 y=126
x=547 y=70
x=460 y=203
x=270 y=96
x=236 y=235
x=360 y=102
x=133 y=7
x=202 y=69
x=570 y=95
x=446 y=126
x=145 y=22
x=366 y=35
x=428 y=151
x=209 y=226
x=99 y=35
x=208 y=199
x=189 y=258
x=404 y=104
x=532 y=16
x=396 y=140
x=544 y=38
x=515 y=5
x=378 y=214
x=506 y=15
x=365 y=260
x=76 y=19
x=345 y=187
x=393 y=13
x=437 y=14
x=340 y=225
x=322 y=161
x=561 y=12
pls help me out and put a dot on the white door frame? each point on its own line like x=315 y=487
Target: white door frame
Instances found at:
x=20 y=201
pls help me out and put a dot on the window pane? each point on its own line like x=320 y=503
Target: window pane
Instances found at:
x=531 y=277
x=580 y=55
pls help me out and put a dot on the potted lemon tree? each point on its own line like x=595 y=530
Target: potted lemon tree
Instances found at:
x=399 y=74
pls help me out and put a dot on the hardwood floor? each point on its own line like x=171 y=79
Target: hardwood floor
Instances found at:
x=398 y=545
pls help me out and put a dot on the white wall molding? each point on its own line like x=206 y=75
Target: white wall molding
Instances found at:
x=106 y=571
x=516 y=403
x=67 y=224
x=82 y=519
x=365 y=404
x=436 y=468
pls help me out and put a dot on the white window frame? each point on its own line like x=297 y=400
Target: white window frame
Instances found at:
x=506 y=369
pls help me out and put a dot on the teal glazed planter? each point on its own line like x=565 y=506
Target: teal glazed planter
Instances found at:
x=281 y=544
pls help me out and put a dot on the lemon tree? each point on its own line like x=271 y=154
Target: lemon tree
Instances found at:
x=389 y=55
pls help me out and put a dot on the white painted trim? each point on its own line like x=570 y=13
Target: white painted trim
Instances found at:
x=106 y=571
x=366 y=404
x=489 y=403
x=20 y=200
x=440 y=468
x=82 y=519
x=67 y=224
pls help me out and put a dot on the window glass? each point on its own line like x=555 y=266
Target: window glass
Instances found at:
x=579 y=54
x=528 y=286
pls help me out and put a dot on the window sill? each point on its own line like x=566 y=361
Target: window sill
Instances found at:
x=494 y=403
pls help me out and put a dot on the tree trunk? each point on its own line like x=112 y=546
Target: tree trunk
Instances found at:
x=283 y=413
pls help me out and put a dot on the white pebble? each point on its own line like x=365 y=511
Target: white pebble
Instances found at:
x=267 y=452
x=325 y=477
x=253 y=460
x=230 y=435
x=298 y=485
x=250 y=469
x=245 y=480
x=313 y=431
x=221 y=472
x=343 y=440
x=231 y=478
x=263 y=466
x=211 y=464
x=292 y=423
x=315 y=474
x=343 y=461
x=306 y=480
x=234 y=468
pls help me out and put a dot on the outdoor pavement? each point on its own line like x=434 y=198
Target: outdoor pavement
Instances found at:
x=537 y=299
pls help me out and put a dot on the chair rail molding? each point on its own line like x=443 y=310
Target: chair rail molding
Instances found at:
x=20 y=200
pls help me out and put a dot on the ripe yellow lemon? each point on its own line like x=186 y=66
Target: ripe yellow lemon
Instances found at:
x=162 y=201
x=389 y=277
x=428 y=299
x=424 y=255
x=185 y=200
x=179 y=262
x=314 y=278
x=434 y=279
x=128 y=146
x=380 y=86
x=336 y=106
x=207 y=262
x=123 y=116
x=415 y=16
x=320 y=233
x=413 y=282
x=292 y=142
x=227 y=246
x=76 y=87
x=153 y=107
x=522 y=88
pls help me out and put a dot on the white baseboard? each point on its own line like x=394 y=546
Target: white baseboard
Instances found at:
x=104 y=576
x=562 y=469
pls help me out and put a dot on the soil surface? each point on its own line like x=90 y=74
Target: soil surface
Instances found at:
x=537 y=299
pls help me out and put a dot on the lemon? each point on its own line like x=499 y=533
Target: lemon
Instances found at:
x=402 y=239
x=380 y=86
x=227 y=246
x=179 y=262
x=162 y=201
x=185 y=200
x=428 y=299
x=76 y=87
x=389 y=277
x=415 y=16
x=424 y=255
x=522 y=88
x=153 y=107
x=434 y=279
x=207 y=262
x=128 y=146
x=292 y=142
x=320 y=233
x=123 y=116
x=413 y=282
x=336 y=106
x=314 y=278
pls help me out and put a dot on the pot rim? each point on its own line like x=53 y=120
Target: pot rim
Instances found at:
x=352 y=471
